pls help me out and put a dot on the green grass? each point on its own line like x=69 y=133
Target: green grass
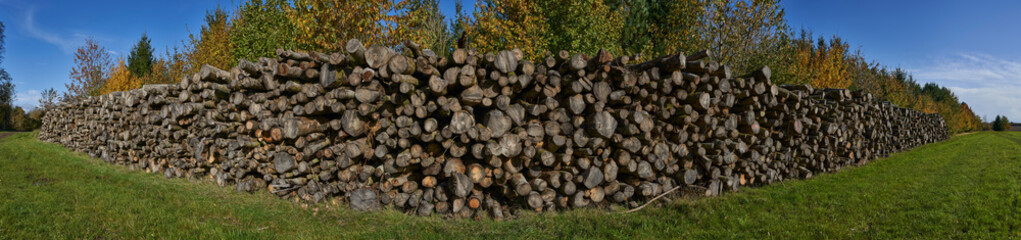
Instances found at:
x=967 y=187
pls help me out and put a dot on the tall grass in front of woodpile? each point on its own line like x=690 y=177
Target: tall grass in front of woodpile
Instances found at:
x=965 y=187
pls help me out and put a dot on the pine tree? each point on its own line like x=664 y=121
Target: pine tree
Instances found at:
x=141 y=59
x=998 y=124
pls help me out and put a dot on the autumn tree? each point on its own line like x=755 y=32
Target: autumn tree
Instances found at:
x=504 y=24
x=325 y=25
x=974 y=122
x=170 y=68
x=140 y=61
x=822 y=63
x=22 y=121
x=121 y=79
x=742 y=34
x=34 y=117
x=15 y=118
x=539 y=26
x=92 y=63
x=212 y=45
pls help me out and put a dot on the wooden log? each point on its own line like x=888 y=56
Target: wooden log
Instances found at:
x=506 y=62
x=300 y=126
x=377 y=56
x=460 y=185
x=353 y=124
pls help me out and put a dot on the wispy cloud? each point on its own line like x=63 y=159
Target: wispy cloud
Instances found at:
x=990 y=85
x=27 y=100
x=66 y=44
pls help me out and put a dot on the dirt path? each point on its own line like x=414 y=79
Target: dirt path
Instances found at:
x=964 y=133
x=5 y=134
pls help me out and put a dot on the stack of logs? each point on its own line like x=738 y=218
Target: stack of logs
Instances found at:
x=485 y=134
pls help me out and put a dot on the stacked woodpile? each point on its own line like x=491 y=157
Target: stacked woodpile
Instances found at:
x=485 y=134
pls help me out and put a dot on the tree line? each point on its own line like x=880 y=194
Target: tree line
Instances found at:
x=1000 y=124
x=740 y=33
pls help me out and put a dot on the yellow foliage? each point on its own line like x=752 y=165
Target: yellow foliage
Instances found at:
x=424 y=24
x=326 y=25
x=120 y=80
x=823 y=64
x=171 y=69
x=505 y=24
x=212 y=46
x=166 y=71
x=676 y=32
x=577 y=26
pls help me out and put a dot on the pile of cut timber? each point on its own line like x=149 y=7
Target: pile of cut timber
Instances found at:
x=485 y=134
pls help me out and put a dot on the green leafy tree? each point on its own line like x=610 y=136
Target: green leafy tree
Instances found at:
x=656 y=28
x=1004 y=124
x=48 y=100
x=259 y=28
x=140 y=61
x=430 y=26
x=584 y=26
x=6 y=87
x=539 y=26
x=6 y=103
x=745 y=34
x=22 y=121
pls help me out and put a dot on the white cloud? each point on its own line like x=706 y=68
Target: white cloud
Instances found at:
x=27 y=100
x=990 y=85
x=66 y=44
x=992 y=101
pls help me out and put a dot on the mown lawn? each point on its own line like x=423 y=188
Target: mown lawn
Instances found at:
x=967 y=187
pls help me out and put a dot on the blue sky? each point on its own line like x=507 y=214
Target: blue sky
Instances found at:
x=968 y=46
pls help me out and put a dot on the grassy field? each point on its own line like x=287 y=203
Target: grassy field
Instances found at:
x=966 y=187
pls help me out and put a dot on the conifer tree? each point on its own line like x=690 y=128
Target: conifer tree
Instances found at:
x=141 y=59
